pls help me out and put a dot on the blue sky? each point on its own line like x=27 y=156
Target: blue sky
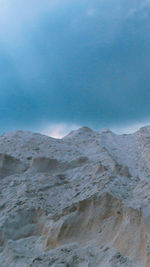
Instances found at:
x=65 y=64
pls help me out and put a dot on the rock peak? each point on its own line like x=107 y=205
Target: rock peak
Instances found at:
x=80 y=132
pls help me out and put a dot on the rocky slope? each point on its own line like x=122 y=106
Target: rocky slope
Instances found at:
x=80 y=201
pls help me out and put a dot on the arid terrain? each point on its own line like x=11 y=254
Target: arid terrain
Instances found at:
x=79 y=201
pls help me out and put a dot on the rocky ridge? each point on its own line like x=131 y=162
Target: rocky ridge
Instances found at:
x=79 y=201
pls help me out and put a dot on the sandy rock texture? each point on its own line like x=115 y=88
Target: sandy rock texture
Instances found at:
x=79 y=201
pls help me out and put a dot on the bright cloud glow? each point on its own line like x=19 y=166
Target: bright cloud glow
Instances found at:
x=59 y=130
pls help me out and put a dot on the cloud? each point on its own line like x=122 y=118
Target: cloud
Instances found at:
x=59 y=130
x=74 y=62
x=91 y=12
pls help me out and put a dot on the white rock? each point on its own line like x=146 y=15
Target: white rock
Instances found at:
x=80 y=201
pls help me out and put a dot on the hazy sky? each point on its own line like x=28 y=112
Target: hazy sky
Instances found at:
x=65 y=64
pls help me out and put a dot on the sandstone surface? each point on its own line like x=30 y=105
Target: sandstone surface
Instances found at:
x=79 y=201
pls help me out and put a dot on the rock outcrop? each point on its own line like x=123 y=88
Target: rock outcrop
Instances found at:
x=79 y=201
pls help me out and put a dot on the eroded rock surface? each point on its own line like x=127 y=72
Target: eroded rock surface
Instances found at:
x=10 y=165
x=80 y=201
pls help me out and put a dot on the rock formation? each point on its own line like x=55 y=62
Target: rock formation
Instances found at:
x=79 y=201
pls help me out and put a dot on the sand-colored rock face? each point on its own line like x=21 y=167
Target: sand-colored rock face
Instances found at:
x=101 y=220
x=82 y=201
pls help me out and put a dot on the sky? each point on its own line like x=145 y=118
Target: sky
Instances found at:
x=66 y=64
